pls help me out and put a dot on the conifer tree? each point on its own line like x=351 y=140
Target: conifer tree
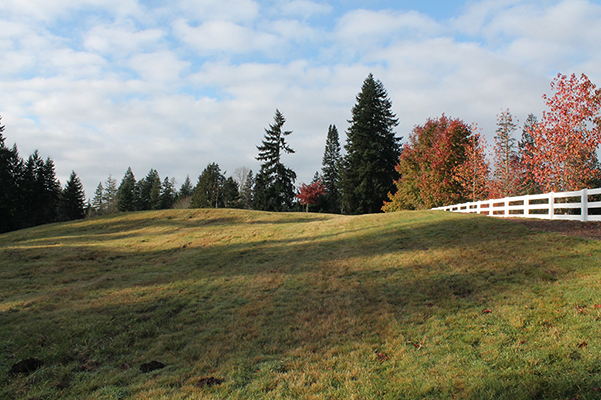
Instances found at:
x=10 y=170
x=208 y=192
x=73 y=199
x=507 y=171
x=528 y=184
x=98 y=207
x=110 y=195
x=126 y=194
x=330 y=173
x=373 y=151
x=246 y=191
x=168 y=193
x=274 y=187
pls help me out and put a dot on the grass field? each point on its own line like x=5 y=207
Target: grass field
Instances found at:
x=252 y=305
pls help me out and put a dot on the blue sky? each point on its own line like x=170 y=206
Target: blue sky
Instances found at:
x=101 y=85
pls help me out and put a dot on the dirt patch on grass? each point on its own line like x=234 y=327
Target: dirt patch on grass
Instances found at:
x=587 y=230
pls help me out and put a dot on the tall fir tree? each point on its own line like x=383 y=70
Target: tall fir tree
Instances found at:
x=274 y=187
x=330 y=171
x=126 y=194
x=373 y=151
x=72 y=199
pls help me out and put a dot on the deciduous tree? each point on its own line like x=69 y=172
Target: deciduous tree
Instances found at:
x=563 y=154
x=310 y=194
x=428 y=163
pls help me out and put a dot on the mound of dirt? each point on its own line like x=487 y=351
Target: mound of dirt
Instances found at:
x=209 y=381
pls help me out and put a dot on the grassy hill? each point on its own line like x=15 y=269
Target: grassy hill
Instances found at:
x=242 y=304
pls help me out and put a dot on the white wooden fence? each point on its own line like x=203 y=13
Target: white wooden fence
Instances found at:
x=583 y=205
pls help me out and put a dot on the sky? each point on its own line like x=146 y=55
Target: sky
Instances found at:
x=102 y=85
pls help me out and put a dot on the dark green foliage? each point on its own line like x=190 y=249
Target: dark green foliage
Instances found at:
x=126 y=194
x=148 y=191
x=39 y=191
x=330 y=172
x=168 y=194
x=274 y=186
x=10 y=167
x=72 y=199
x=186 y=190
x=231 y=194
x=208 y=192
x=373 y=150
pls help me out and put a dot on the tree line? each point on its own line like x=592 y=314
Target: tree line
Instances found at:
x=444 y=161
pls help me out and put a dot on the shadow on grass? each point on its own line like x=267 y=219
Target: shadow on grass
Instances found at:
x=415 y=285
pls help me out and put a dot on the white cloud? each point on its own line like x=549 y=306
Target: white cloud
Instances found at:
x=225 y=37
x=232 y=10
x=121 y=39
x=159 y=67
x=385 y=26
x=304 y=8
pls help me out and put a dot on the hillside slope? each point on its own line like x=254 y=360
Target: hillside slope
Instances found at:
x=244 y=304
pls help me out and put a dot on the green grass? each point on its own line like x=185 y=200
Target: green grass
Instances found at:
x=299 y=305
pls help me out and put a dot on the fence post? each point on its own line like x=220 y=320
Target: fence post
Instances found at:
x=584 y=205
x=551 y=205
x=527 y=206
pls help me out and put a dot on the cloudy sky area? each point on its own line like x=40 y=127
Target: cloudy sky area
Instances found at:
x=100 y=85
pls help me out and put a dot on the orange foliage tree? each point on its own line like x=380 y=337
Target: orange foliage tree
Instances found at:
x=562 y=156
x=428 y=166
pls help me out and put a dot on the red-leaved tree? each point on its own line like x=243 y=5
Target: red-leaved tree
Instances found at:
x=309 y=194
x=427 y=166
x=563 y=154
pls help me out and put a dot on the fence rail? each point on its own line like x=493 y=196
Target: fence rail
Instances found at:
x=583 y=205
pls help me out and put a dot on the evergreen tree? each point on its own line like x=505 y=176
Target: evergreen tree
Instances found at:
x=40 y=191
x=330 y=173
x=126 y=194
x=168 y=193
x=231 y=194
x=246 y=191
x=98 y=207
x=274 y=188
x=186 y=189
x=373 y=150
x=525 y=145
x=110 y=195
x=208 y=192
x=11 y=166
x=73 y=199
x=148 y=190
x=507 y=172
